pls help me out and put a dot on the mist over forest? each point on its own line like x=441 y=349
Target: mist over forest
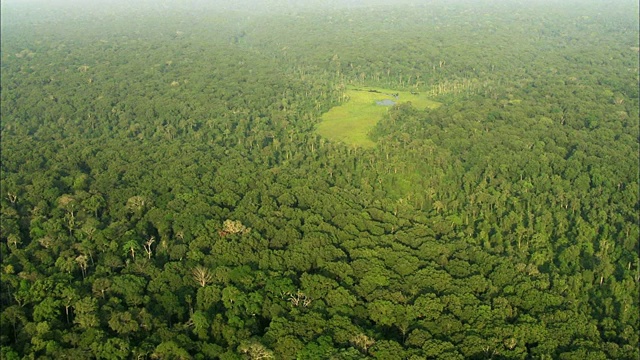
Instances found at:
x=286 y=179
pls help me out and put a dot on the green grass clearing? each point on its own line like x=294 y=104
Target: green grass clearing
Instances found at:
x=351 y=122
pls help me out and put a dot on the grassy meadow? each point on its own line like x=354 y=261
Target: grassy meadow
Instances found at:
x=351 y=122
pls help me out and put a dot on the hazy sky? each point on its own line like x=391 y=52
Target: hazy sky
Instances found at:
x=49 y=9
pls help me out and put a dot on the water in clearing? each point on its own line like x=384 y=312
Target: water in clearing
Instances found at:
x=385 y=102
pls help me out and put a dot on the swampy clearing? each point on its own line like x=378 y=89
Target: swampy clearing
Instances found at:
x=352 y=121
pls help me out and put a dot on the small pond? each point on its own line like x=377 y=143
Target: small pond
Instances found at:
x=385 y=102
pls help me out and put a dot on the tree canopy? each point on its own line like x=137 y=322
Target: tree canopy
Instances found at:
x=165 y=193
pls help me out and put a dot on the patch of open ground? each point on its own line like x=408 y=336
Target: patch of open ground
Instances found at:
x=351 y=121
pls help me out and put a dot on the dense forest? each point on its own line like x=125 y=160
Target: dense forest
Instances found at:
x=165 y=193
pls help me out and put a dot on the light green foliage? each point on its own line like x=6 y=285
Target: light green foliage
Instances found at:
x=171 y=350
x=200 y=324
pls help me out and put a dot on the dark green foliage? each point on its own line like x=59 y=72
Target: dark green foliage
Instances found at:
x=164 y=194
